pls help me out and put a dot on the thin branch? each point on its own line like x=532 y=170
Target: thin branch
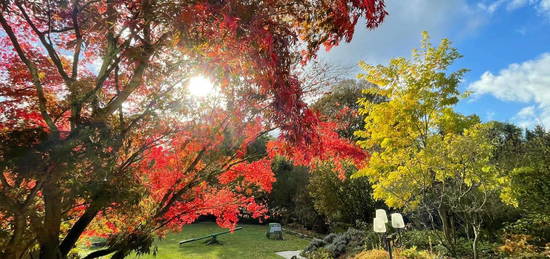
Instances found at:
x=42 y=102
x=149 y=107
x=64 y=29
x=135 y=155
x=117 y=88
x=33 y=193
x=49 y=48
x=99 y=253
x=135 y=81
x=78 y=46
x=4 y=181
x=111 y=53
x=170 y=193
x=174 y=195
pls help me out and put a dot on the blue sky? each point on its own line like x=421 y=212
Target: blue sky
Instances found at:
x=505 y=43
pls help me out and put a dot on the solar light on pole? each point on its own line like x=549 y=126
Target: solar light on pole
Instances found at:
x=380 y=213
x=397 y=220
x=379 y=225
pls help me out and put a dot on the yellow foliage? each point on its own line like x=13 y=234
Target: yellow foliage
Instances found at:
x=410 y=253
x=415 y=137
x=372 y=254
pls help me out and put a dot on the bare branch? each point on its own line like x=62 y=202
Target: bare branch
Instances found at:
x=135 y=81
x=64 y=29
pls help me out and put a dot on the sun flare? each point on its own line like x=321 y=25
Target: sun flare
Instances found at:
x=200 y=86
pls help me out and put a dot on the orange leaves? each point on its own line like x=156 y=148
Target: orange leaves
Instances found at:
x=204 y=170
x=257 y=173
x=165 y=169
x=328 y=146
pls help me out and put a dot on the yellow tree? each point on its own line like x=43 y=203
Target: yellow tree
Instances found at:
x=422 y=151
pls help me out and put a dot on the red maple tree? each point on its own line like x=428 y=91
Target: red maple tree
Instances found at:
x=95 y=119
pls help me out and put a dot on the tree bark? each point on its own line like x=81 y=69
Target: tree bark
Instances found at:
x=474 y=244
x=119 y=255
x=447 y=228
x=14 y=248
x=77 y=229
x=49 y=238
x=99 y=253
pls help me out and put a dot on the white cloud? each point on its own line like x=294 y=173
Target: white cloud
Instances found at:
x=526 y=117
x=401 y=30
x=541 y=6
x=527 y=82
x=514 y=4
x=528 y=111
x=492 y=7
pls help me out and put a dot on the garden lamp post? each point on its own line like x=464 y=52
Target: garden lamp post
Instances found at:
x=379 y=226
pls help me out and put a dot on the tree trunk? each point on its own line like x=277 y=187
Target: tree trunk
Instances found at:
x=474 y=244
x=77 y=229
x=119 y=255
x=99 y=253
x=447 y=228
x=49 y=236
x=49 y=249
x=15 y=248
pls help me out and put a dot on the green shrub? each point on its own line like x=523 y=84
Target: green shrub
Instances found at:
x=528 y=237
x=372 y=240
x=321 y=253
x=341 y=200
x=463 y=248
x=329 y=238
x=314 y=245
x=535 y=225
x=349 y=242
x=289 y=200
x=422 y=239
x=413 y=253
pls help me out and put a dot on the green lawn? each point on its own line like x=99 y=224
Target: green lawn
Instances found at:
x=250 y=242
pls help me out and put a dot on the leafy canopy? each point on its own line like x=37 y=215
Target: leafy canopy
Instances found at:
x=418 y=143
x=97 y=90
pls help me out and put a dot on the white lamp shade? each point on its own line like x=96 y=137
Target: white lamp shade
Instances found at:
x=379 y=225
x=381 y=214
x=397 y=220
